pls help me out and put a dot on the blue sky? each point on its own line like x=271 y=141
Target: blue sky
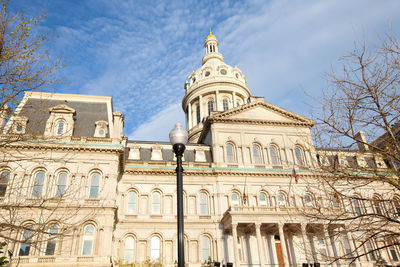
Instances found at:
x=141 y=52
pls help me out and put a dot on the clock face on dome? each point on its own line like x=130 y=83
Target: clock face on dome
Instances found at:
x=223 y=71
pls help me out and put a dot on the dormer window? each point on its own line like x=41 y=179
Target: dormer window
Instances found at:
x=101 y=129
x=19 y=126
x=60 y=122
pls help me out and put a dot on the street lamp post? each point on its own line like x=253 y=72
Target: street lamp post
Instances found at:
x=178 y=138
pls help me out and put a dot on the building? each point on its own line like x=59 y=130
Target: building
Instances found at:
x=72 y=179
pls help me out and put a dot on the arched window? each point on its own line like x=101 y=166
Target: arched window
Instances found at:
x=203 y=203
x=262 y=200
x=131 y=203
x=4 y=177
x=281 y=200
x=198 y=113
x=308 y=200
x=257 y=157
x=88 y=239
x=26 y=241
x=156 y=203
x=155 y=248
x=129 y=248
x=392 y=249
x=377 y=205
x=299 y=156
x=235 y=201
x=61 y=184
x=94 y=185
x=370 y=250
x=356 y=205
x=273 y=154
x=60 y=128
x=225 y=104
x=230 y=153
x=38 y=184
x=205 y=248
x=396 y=204
x=52 y=242
x=335 y=200
x=210 y=106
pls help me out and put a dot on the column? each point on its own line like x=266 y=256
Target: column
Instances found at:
x=353 y=249
x=235 y=244
x=216 y=100
x=283 y=245
x=234 y=104
x=189 y=116
x=328 y=242
x=200 y=107
x=304 y=235
x=260 y=245
x=272 y=250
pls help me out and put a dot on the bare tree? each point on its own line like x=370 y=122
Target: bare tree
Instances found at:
x=33 y=215
x=358 y=131
x=25 y=62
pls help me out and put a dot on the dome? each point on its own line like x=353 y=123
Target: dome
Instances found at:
x=211 y=36
x=214 y=87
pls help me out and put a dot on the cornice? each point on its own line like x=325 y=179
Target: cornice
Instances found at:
x=67 y=146
x=272 y=107
x=216 y=171
x=258 y=122
x=196 y=88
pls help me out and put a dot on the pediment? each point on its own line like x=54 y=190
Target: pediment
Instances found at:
x=62 y=108
x=262 y=112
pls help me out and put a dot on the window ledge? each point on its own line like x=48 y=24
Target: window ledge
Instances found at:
x=205 y=217
x=47 y=259
x=277 y=167
x=156 y=216
x=92 y=200
x=85 y=258
x=131 y=216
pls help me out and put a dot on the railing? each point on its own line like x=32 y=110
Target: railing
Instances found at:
x=261 y=209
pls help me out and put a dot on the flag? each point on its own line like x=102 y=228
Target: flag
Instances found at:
x=295 y=175
x=244 y=198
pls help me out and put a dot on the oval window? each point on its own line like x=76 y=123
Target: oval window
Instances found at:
x=207 y=73
x=223 y=71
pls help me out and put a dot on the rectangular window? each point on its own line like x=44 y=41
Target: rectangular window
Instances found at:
x=156 y=205
x=94 y=185
x=50 y=248
x=87 y=247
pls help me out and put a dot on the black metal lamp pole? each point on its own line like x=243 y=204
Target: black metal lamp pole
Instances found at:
x=178 y=138
x=179 y=149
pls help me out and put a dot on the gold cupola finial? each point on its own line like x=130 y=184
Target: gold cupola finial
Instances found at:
x=210 y=36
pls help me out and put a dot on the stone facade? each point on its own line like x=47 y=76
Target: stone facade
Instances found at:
x=70 y=169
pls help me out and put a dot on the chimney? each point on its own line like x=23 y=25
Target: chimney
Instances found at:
x=4 y=112
x=118 y=119
x=361 y=141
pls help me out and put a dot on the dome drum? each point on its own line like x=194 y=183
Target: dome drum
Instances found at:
x=214 y=87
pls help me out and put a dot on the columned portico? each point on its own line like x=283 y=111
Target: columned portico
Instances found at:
x=235 y=244
x=307 y=250
x=260 y=246
x=283 y=245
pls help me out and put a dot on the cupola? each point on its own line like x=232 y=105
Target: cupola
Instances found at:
x=214 y=87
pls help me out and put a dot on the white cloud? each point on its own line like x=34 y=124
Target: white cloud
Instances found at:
x=158 y=126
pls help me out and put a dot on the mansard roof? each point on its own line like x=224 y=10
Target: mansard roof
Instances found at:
x=86 y=111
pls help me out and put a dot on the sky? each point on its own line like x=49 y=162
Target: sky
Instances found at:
x=141 y=52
